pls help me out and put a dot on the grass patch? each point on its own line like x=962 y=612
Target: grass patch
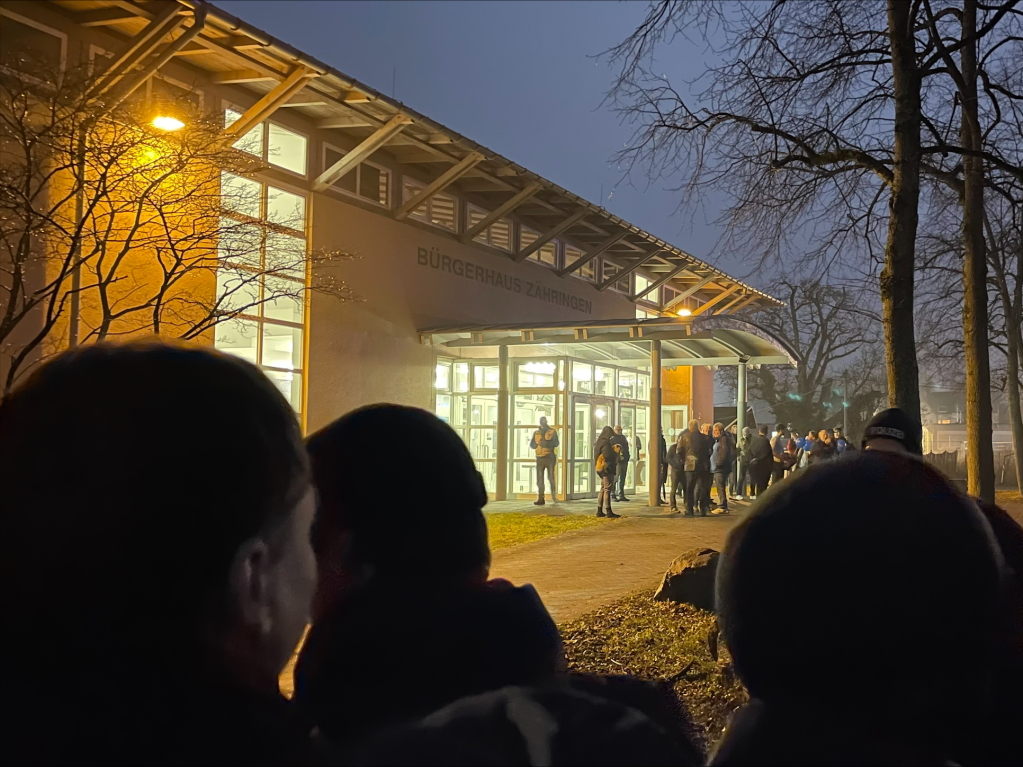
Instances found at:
x=656 y=641
x=512 y=528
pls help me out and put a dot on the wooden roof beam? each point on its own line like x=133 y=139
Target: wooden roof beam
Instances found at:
x=140 y=47
x=715 y=301
x=371 y=144
x=267 y=105
x=440 y=183
x=500 y=211
x=627 y=270
x=730 y=304
x=657 y=283
x=688 y=292
x=550 y=234
x=591 y=254
x=241 y=76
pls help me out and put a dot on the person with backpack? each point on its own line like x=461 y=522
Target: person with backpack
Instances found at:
x=605 y=458
x=545 y=442
x=619 y=439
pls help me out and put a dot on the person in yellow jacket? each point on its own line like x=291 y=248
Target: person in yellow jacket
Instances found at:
x=544 y=442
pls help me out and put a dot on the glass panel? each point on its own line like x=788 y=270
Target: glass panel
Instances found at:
x=529 y=408
x=410 y=189
x=641 y=284
x=240 y=195
x=282 y=346
x=240 y=243
x=537 y=375
x=582 y=378
x=459 y=410
x=251 y=142
x=285 y=208
x=523 y=477
x=520 y=442
x=627 y=420
x=285 y=254
x=501 y=234
x=290 y=385
x=604 y=381
x=483 y=444
x=373 y=183
x=581 y=477
x=442 y=381
x=627 y=384
x=444 y=407
x=548 y=254
x=238 y=337
x=582 y=430
x=483 y=410
x=587 y=271
x=238 y=291
x=287 y=149
x=284 y=300
x=461 y=370
x=602 y=414
x=443 y=211
x=642 y=435
x=643 y=386
x=29 y=49
x=488 y=470
x=349 y=181
x=486 y=376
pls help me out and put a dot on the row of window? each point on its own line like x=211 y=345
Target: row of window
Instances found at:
x=586 y=378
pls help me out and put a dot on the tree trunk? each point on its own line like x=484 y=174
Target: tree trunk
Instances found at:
x=1015 y=411
x=980 y=459
x=900 y=252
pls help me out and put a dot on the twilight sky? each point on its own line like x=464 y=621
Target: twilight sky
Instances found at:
x=518 y=77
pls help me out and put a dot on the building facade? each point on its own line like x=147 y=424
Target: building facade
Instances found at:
x=479 y=290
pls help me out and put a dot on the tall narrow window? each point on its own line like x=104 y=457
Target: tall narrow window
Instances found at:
x=261 y=280
x=274 y=143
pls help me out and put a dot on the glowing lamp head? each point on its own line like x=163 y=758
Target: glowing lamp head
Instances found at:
x=167 y=123
x=684 y=313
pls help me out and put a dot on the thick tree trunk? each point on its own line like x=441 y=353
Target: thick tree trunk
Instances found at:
x=1015 y=410
x=900 y=252
x=980 y=459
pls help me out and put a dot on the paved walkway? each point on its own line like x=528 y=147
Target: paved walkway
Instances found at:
x=580 y=570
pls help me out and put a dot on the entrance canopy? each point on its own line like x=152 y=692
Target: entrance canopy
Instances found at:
x=684 y=342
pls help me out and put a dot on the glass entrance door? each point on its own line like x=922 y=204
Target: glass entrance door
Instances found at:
x=589 y=416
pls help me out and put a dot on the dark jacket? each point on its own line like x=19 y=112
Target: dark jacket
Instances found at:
x=605 y=447
x=623 y=442
x=722 y=453
x=761 y=456
x=396 y=651
x=676 y=457
x=701 y=446
x=120 y=713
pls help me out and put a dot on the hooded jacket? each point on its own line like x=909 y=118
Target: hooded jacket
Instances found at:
x=605 y=447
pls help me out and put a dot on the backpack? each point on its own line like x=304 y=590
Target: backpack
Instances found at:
x=602 y=461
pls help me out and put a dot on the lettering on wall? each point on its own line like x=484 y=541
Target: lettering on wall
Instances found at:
x=461 y=267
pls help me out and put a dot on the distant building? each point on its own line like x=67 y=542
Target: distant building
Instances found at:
x=943 y=414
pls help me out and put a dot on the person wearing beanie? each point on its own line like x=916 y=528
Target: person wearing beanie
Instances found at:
x=814 y=606
x=405 y=619
x=893 y=431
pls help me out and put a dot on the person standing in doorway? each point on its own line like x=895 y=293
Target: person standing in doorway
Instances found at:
x=622 y=442
x=605 y=459
x=545 y=442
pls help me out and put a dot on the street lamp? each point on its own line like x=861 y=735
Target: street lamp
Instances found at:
x=167 y=123
x=684 y=313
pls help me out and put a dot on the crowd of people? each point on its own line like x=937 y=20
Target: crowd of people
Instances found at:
x=168 y=538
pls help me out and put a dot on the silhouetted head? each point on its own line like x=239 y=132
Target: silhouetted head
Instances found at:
x=694 y=426
x=779 y=429
x=399 y=495
x=763 y=430
x=156 y=511
x=893 y=431
x=543 y=422
x=719 y=429
x=618 y=429
x=824 y=436
x=892 y=597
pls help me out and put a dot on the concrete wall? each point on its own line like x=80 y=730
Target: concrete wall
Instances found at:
x=410 y=277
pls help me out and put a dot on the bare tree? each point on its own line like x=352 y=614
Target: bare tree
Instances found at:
x=837 y=335
x=111 y=228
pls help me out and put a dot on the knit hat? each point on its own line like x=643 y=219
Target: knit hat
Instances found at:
x=897 y=425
